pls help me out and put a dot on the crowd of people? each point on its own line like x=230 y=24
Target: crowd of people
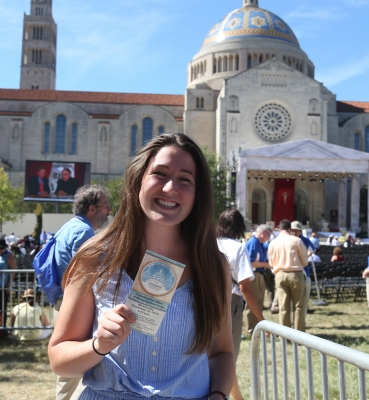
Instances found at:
x=94 y=351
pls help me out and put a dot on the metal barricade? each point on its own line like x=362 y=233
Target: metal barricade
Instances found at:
x=23 y=279
x=343 y=355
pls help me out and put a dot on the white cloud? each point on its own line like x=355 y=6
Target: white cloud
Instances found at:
x=337 y=75
x=111 y=38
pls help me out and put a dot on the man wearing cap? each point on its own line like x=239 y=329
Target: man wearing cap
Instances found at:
x=29 y=313
x=288 y=256
x=258 y=260
x=296 y=230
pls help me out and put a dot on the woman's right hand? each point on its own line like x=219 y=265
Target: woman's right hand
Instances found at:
x=113 y=328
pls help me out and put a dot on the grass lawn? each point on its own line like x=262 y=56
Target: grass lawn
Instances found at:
x=25 y=373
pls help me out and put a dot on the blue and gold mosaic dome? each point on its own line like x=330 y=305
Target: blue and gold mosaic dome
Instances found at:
x=250 y=22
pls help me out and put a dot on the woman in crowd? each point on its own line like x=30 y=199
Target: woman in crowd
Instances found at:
x=337 y=255
x=230 y=229
x=7 y=261
x=29 y=313
x=166 y=207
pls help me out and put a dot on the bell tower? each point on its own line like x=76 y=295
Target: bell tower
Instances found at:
x=250 y=3
x=38 y=64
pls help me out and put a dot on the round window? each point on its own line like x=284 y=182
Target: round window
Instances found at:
x=273 y=122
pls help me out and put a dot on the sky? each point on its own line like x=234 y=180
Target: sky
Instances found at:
x=144 y=46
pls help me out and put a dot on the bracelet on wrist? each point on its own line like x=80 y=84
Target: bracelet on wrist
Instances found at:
x=225 y=397
x=93 y=346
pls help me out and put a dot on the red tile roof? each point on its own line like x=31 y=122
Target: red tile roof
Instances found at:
x=353 y=106
x=92 y=97
x=16 y=113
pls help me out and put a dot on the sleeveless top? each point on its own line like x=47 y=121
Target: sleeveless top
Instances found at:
x=150 y=367
x=4 y=278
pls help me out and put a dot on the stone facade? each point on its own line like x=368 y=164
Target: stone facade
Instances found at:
x=250 y=88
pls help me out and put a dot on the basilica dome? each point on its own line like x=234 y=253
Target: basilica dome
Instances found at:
x=250 y=22
x=242 y=40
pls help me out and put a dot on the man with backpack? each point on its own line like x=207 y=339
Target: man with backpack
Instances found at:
x=91 y=209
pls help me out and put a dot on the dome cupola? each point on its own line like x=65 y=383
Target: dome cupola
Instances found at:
x=244 y=39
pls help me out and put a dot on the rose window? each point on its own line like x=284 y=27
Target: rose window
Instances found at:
x=273 y=122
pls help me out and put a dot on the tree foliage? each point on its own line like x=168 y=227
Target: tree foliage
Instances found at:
x=11 y=200
x=114 y=187
x=38 y=227
x=219 y=175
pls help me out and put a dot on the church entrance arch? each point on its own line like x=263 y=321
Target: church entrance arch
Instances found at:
x=258 y=211
x=301 y=204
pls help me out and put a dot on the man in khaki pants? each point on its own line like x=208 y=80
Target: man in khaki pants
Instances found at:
x=287 y=256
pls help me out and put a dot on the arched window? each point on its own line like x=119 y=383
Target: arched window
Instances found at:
x=202 y=102
x=225 y=64
x=231 y=63
x=237 y=63
x=73 y=141
x=357 y=141
x=46 y=137
x=367 y=139
x=133 y=139
x=249 y=62
x=220 y=64
x=160 y=130
x=261 y=59
x=147 y=125
x=215 y=66
x=197 y=102
x=61 y=127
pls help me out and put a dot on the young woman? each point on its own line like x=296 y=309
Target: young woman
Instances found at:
x=166 y=208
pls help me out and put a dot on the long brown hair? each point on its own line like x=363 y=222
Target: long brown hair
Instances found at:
x=120 y=243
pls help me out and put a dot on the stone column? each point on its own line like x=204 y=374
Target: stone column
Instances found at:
x=355 y=203
x=342 y=203
x=241 y=181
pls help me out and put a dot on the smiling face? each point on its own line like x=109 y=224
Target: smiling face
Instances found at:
x=168 y=187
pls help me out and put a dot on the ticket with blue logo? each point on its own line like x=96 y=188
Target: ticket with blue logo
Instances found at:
x=152 y=291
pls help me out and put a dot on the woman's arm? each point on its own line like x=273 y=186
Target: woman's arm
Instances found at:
x=70 y=347
x=221 y=358
x=334 y=258
x=249 y=296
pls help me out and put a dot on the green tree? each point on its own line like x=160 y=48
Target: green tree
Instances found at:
x=38 y=227
x=219 y=175
x=11 y=200
x=114 y=186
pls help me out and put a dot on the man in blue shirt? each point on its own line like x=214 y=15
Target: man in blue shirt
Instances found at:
x=314 y=240
x=296 y=230
x=258 y=262
x=91 y=209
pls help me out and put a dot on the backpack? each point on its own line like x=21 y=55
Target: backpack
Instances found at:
x=45 y=267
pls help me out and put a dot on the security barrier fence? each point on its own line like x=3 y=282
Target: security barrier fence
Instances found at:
x=277 y=368
x=23 y=279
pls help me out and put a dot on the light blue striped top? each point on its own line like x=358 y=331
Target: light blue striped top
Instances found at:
x=150 y=367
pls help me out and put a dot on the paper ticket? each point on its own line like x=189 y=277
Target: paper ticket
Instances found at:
x=152 y=291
